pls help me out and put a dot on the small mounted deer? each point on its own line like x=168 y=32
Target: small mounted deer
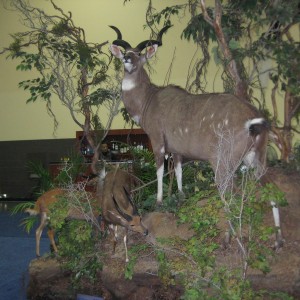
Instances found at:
x=188 y=125
x=41 y=208
x=117 y=206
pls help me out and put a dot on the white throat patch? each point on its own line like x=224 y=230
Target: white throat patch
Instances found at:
x=128 y=84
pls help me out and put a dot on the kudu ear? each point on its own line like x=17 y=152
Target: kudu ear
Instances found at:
x=116 y=51
x=151 y=51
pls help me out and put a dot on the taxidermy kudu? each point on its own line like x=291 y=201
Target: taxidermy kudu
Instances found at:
x=117 y=206
x=188 y=125
x=41 y=208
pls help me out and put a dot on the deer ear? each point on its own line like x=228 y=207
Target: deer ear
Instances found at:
x=151 y=51
x=115 y=50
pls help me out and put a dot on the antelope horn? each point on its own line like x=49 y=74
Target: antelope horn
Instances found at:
x=160 y=34
x=130 y=201
x=122 y=213
x=141 y=46
x=119 y=41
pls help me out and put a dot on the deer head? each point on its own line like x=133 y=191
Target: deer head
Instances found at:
x=133 y=57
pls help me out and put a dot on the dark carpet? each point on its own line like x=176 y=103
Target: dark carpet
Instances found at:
x=16 y=251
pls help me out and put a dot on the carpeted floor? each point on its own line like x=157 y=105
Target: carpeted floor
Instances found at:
x=17 y=249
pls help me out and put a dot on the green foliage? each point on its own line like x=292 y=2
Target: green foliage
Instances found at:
x=78 y=250
x=145 y=170
x=196 y=176
x=44 y=177
x=129 y=268
x=71 y=170
x=196 y=265
x=164 y=271
x=38 y=87
x=77 y=239
x=203 y=219
x=69 y=67
x=133 y=253
x=27 y=222
x=45 y=183
x=296 y=156
x=272 y=192
x=203 y=28
x=166 y=14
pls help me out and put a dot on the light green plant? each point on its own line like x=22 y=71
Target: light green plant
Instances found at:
x=134 y=252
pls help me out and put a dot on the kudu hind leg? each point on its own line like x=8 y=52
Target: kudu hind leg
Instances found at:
x=178 y=172
x=279 y=240
x=258 y=163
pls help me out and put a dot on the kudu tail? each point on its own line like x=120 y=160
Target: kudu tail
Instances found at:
x=32 y=211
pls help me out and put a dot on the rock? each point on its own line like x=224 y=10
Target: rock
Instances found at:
x=164 y=225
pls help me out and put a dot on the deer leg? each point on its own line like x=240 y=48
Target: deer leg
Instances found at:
x=39 y=231
x=159 y=174
x=125 y=245
x=114 y=230
x=279 y=240
x=178 y=172
x=52 y=240
x=275 y=210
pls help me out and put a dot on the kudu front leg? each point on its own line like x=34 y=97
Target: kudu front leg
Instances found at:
x=159 y=174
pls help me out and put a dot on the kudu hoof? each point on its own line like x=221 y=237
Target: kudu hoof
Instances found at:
x=278 y=244
x=181 y=196
x=159 y=203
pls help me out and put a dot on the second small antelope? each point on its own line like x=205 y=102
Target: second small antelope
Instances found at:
x=41 y=208
x=117 y=206
x=188 y=125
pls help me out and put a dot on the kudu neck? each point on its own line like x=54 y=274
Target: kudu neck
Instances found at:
x=136 y=91
x=139 y=76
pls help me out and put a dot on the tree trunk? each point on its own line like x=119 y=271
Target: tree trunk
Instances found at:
x=241 y=87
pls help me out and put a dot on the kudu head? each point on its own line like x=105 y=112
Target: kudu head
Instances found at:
x=133 y=58
x=130 y=221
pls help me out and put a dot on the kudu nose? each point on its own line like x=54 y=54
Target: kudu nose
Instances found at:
x=146 y=232
x=127 y=59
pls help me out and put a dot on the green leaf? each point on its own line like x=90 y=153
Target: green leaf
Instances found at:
x=233 y=44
